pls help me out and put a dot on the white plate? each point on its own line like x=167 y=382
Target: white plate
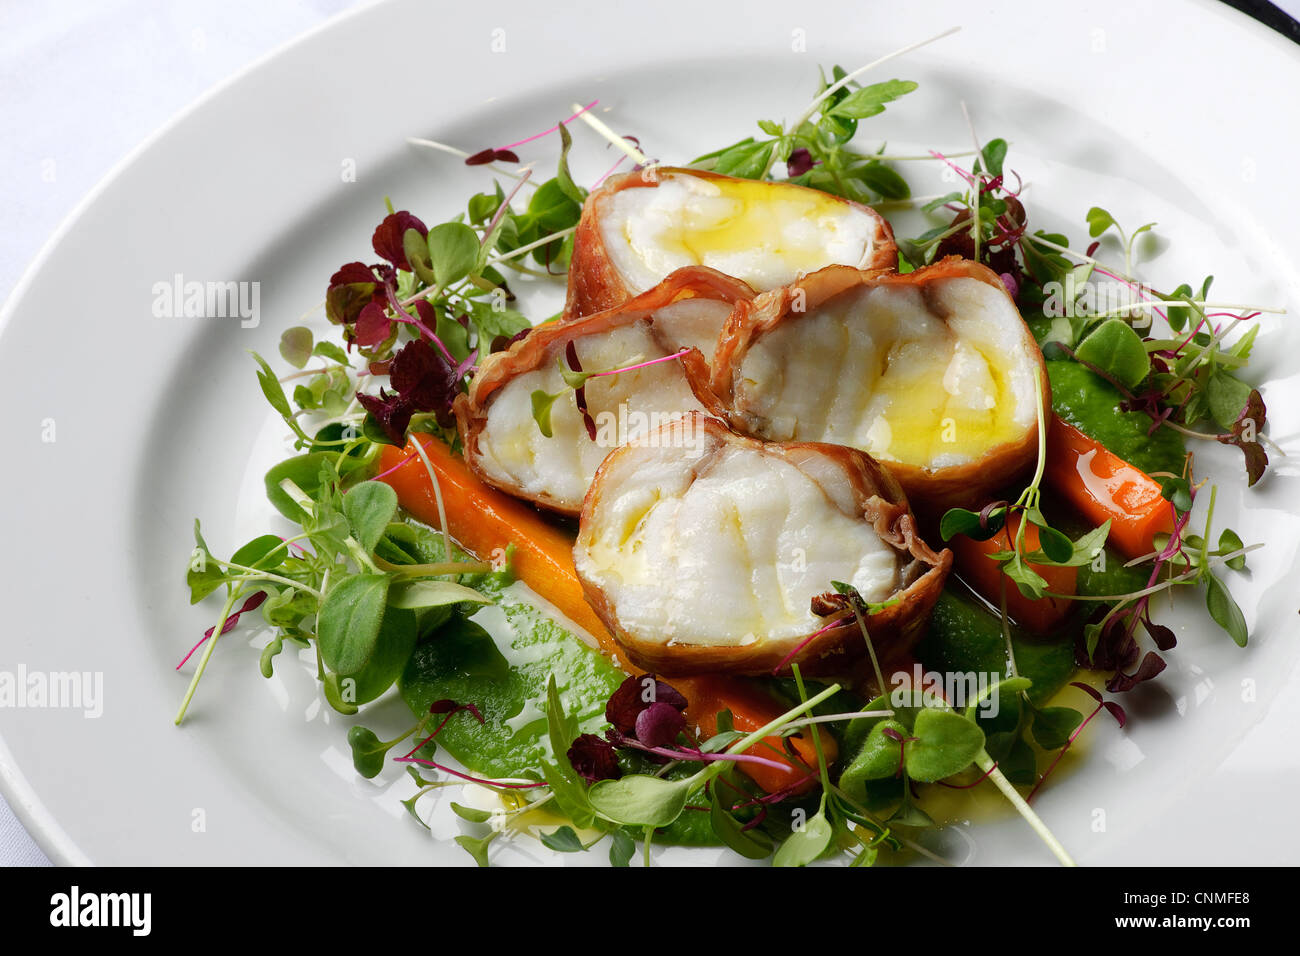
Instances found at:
x=156 y=420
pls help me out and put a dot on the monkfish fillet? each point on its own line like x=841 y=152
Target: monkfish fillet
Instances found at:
x=705 y=551
x=641 y=226
x=931 y=373
x=502 y=440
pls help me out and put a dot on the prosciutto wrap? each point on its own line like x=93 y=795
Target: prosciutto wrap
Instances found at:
x=706 y=551
x=932 y=373
x=641 y=226
x=502 y=439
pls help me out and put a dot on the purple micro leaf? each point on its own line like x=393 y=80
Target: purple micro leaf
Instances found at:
x=659 y=724
x=1152 y=664
x=373 y=325
x=254 y=601
x=350 y=289
x=1087 y=689
x=594 y=759
x=387 y=239
x=425 y=379
x=633 y=696
x=1162 y=636
x=800 y=162
x=392 y=413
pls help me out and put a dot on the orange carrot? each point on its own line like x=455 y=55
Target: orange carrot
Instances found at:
x=981 y=572
x=1101 y=485
x=751 y=708
x=483 y=521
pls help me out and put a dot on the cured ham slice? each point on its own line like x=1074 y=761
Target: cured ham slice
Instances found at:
x=703 y=551
x=641 y=226
x=502 y=440
x=931 y=373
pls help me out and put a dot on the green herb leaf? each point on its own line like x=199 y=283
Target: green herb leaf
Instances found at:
x=542 y=404
x=1117 y=350
x=993 y=155
x=879 y=758
x=563 y=840
x=960 y=521
x=1089 y=545
x=746 y=160
x=1226 y=397
x=331 y=351
x=453 y=252
x=622 y=848
x=295 y=345
x=1178 y=491
x=368 y=751
x=870 y=100
x=640 y=800
x=1055 y=545
x=946 y=743
x=1053 y=725
x=393 y=647
x=1099 y=220
x=266 y=661
x=272 y=389
x=369 y=507
x=562 y=176
x=752 y=844
x=805 y=844
x=349 y=621
x=472 y=814
x=478 y=847
x=1224 y=610
x=882 y=179
x=1012 y=685
x=910 y=815
x=416 y=249
x=1228 y=543
x=204 y=575
x=551 y=210
x=414 y=595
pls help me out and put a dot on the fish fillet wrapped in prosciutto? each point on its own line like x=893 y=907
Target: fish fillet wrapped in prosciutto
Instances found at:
x=641 y=226
x=706 y=551
x=932 y=373
x=499 y=430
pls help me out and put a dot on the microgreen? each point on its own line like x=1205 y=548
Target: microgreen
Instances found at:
x=575 y=380
x=1054 y=547
x=815 y=149
x=1184 y=382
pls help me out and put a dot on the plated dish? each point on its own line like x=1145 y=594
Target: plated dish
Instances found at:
x=770 y=416
x=301 y=800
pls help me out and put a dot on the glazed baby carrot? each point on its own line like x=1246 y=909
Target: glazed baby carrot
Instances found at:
x=976 y=567
x=483 y=521
x=1100 y=485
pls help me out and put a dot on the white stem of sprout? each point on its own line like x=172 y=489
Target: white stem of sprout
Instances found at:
x=599 y=126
